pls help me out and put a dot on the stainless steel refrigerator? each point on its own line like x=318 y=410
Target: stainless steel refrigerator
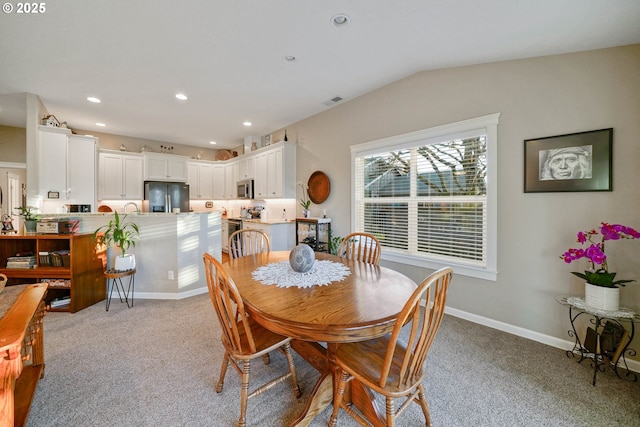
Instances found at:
x=165 y=196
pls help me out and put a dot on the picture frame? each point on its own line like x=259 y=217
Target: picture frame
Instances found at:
x=573 y=162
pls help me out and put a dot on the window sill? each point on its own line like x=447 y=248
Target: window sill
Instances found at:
x=459 y=269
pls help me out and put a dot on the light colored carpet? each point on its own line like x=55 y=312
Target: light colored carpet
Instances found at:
x=157 y=363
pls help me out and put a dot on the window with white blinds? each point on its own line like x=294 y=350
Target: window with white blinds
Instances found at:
x=429 y=196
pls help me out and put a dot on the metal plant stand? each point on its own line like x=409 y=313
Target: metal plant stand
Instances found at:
x=607 y=339
x=114 y=280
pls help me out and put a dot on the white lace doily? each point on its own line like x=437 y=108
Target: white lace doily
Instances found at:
x=282 y=275
x=622 y=312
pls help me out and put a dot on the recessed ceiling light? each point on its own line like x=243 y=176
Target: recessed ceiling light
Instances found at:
x=289 y=58
x=181 y=96
x=340 y=20
x=247 y=124
x=212 y=142
x=100 y=124
x=94 y=100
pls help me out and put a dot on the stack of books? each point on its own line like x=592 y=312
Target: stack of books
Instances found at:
x=21 y=261
x=60 y=302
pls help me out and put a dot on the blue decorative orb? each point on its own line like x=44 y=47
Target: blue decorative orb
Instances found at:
x=302 y=258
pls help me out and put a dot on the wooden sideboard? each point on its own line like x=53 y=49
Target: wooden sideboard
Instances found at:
x=21 y=350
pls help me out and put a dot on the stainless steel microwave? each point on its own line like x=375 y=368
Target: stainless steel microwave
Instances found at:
x=245 y=189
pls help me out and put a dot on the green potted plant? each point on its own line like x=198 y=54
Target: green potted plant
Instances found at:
x=305 y=202
x=30 y=218
x=601 y=288
x=334 y=243
x=122 y=234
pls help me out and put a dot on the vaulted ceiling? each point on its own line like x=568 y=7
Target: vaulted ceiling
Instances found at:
x=233 y=59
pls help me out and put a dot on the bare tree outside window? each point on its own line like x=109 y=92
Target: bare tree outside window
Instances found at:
x=450 y=185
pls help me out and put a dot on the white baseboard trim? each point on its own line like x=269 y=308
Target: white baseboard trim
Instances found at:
x=634 y=365
x=171 y=295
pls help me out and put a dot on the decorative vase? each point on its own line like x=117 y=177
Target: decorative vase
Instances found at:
x=306 y=213
x=601 y=297
x=30 y=226
x=125 y=262
x=302 y=258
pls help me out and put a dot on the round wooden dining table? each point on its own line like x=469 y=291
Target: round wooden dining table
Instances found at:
x=361 y=306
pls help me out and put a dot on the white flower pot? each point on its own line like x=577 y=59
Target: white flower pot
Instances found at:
x=601 y=297
x=126 y=262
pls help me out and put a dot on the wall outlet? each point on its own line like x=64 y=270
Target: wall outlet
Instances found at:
x=170 y=275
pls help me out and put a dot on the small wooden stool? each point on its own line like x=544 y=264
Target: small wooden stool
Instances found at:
x=114 y=280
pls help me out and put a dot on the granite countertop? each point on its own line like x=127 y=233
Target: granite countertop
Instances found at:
x=269 y=221
x=260 y=221
x=83 y=214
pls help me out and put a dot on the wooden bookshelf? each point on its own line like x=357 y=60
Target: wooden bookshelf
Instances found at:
x=82 y=270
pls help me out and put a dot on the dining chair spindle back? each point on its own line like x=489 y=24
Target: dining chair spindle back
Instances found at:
x=360 y=246
x=248 y=241
x=390 y=366
x=242 y=338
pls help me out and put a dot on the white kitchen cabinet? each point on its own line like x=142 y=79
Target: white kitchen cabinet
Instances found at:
x=274 y=174
x=273 y=170
x=277 y=171
x=200 y=180
x=165 y=167
x=281 y=235
x=218 y=181
x=230 y=180
x=67 y=166
x=81 y=169
x=53 y=161
x=246 y=167
x=260 y=180
x=120 y=176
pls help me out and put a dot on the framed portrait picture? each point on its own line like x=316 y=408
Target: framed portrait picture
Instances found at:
x=572 y=162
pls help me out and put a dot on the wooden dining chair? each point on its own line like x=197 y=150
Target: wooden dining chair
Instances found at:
x=390 y=366
x=243 y=339
x=360 y=246
x=248 y=241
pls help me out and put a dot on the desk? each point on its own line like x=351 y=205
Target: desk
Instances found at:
x=363 y=306
x=21 y=350
x=595 y=347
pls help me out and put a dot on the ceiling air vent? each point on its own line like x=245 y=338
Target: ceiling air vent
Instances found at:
x=333 y=101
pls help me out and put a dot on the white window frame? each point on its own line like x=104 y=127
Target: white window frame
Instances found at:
x=486 y=125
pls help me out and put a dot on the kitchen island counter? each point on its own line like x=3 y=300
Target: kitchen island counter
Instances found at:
x=169 y=251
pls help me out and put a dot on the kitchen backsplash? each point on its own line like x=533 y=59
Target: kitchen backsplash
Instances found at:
x=271 y=209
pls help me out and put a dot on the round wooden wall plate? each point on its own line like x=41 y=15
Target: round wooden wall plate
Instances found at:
x=319 y=187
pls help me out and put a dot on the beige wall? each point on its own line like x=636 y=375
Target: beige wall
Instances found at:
x=536 y=97
x=113 y=142
x=13 y=144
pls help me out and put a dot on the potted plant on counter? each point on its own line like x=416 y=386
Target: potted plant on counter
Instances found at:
x=305 y=202
x=30 y=218
x=123 y=234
